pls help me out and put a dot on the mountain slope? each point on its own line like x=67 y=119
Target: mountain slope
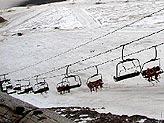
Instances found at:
x=51 y=30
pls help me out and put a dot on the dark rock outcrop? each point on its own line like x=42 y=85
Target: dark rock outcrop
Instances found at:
x=79 y=114
x=13 y=110
x=2 y=19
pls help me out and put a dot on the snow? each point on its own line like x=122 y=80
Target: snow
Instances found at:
x=60 y=18
x=141 y=121
x=51 y=29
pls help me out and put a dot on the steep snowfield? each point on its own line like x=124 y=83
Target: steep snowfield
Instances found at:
x=51 y=30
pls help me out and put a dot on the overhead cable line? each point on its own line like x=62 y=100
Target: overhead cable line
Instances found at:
x=88 y=42
x=100 y=64
x=118 y=58
x=101 y=53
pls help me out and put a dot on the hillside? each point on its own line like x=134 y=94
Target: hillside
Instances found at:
x=42 y=40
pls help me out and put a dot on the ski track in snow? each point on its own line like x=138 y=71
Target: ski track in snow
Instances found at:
x=61 y=26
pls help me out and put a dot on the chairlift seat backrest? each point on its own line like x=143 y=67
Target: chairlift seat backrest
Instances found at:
x=129 y=75
x=151 y=60
x=76 y=79
x=128 y=60
x=93 y=76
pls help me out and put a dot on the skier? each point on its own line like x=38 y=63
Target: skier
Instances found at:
x=91 y=86
x=155 y=74
x=59 y=89
x=149 y=76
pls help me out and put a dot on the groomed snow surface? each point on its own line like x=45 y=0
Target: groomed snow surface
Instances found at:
x=52 y=29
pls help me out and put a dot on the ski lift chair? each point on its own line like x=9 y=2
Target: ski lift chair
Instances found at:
x=136 y=68
x=5 y=84
x=40 y=87
x=63 y=86
x=17 y=86
x=156 y=67
x=69 y=84
x=25 y=89
x=95 y=81
x=4 y=79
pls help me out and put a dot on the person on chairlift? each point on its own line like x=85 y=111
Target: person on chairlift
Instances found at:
x=155 y=73
x=149 y=75
x=152 y=72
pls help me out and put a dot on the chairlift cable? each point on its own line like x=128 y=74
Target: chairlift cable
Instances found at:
x=99 y=54
x=88 y=42
x=118 y=58
x=89 y=67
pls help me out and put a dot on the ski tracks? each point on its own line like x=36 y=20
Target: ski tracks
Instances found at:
x=86 y=20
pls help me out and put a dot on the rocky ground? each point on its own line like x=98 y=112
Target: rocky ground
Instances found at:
x=87 y=115
x=13 y=110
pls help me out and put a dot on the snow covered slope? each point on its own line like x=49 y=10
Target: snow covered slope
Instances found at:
x=59 y=34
